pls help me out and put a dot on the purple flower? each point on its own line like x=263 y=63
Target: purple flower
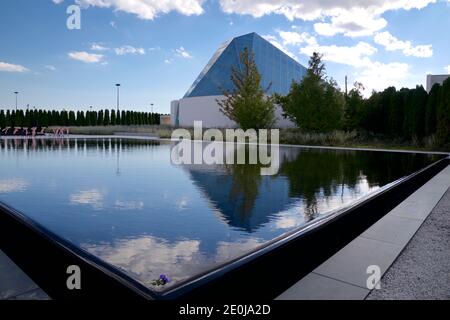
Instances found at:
x=164 y=278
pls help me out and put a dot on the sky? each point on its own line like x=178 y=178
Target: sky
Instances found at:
x=156 y=48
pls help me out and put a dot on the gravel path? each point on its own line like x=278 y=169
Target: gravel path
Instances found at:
x=422 y=271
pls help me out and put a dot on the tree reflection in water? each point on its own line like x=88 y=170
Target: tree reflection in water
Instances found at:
x=308 y=177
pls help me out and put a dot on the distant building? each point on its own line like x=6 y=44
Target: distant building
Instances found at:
x=277 y=70
x=432 y=79
x=165 y=119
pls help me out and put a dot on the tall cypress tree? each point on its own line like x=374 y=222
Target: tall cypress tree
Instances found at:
x=8 y=120
x=2 y=119
x=430 y=114
x=113 y=117
x=72 y=119
x=443 y=114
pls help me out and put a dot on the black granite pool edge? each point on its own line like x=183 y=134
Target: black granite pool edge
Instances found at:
x=262 y=275
x=281 y=263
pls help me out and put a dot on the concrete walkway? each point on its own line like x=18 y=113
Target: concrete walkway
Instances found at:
x=15 y=284
x=422 y=271
x=345 y=275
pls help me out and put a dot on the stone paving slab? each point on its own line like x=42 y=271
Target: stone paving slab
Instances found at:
x=350 y=264
x=422 y=271
x=421 y=203
x=318 y=287
x=381 y=245
x=393 y=229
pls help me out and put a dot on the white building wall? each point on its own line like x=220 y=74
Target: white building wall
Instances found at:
x=432 y=79
x=206 y=109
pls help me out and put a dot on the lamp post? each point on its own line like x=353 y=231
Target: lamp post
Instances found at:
x=16 y=93
x=118 y=96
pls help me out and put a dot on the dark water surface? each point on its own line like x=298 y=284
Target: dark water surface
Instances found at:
x=126 y=203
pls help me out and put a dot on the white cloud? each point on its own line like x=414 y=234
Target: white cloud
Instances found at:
x=9 y=67
x=86 y=57
x=391 y=43
x=50 y=67
x=167 y=61
x=353 y=23
x=98 y=47
x=273 y=40
x=374 y=75
x=57 y=1
x=295 y=38
x=147 y=257
x=182 y=53
x=353 y=18
x=13 y=185
x=148 y=9
x=93 y=197
x=129 y=50
x=129 y=205
x=378 y=76
x=447 y=69
x=356 y=56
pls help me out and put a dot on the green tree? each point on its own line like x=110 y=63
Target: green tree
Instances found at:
x=106 y=119
x=316 y=103
x=113 y=117
x=354 y=107
x=395 y=115
x=443 y=114
x=123 y=118
x=430 y=113
x=418 y=107
x=2 y=119
x=72 y=119
x=100 y=118
x=248 y=104
x=8 y=120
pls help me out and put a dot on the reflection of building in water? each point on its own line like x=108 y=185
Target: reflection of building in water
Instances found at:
x=312 y=181
x=244 y=199
x=241 y=209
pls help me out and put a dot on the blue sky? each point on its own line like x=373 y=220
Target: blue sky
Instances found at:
x=156 y=48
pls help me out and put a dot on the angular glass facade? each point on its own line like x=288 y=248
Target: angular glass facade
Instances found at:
x=277 y=69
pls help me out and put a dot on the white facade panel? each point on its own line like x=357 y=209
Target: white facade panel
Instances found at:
x=432 y=79
x=206 y=109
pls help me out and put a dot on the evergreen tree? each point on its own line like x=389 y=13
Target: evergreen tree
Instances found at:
x=2 y=119
x=8 y=120
x=315 y=104
x=354 y=108
x=443 y=114
x=100 y=118
x=248 y=105
x=418 y=106
x=63 y=118
x=395 y=116
x=112 y=117
x=72 y=119
x=430 y=114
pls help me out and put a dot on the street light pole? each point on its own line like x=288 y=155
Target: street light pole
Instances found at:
x=16 y=93
x=118 y=97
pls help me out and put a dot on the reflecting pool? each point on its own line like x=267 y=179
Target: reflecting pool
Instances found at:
x=126 y=203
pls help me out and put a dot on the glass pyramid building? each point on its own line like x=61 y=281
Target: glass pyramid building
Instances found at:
x=277 y=69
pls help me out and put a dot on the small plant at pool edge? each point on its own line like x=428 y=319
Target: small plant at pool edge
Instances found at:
x=162 y=281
